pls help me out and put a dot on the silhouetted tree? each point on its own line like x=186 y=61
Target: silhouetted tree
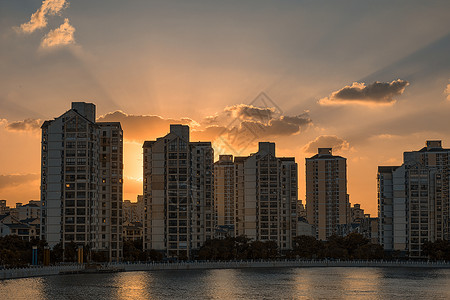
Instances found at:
x=306 y=247
x=438 y=250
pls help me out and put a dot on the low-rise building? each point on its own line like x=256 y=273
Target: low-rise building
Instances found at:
x=132 y=231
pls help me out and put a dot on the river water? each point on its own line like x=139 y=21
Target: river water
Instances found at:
x=277 y=283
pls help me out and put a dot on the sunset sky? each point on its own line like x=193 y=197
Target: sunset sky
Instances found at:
x=369 y=78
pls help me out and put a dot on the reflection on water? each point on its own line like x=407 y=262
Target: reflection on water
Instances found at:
x=281 y=283
x=132 y=285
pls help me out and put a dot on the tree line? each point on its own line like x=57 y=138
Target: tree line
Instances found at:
x=15 y=252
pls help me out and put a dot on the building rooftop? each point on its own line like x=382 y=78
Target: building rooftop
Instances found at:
x=385 y=169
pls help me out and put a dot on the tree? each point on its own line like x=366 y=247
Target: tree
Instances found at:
x=306 y=247
x=438 y=250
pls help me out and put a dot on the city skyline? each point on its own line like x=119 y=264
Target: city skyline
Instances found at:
x=202 y=63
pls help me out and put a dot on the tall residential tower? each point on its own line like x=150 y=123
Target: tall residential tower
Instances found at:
x=414 y=200
x=327 y=205
x=224 y=190
x=266 y=197
x=178 y=193
x=81 y=181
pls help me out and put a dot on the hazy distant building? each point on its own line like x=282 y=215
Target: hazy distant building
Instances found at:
x=327 y=205
x=224 y=190
x=133 y=211
x=81 y=181
x=301 y=211
x=357 y=213
x=31 y=210
x=178 y=193
x=414 y=200
x=266 y=197
x=304 y=228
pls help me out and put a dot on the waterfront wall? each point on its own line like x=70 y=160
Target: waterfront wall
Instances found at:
x=198 y=265
x=273 y=264
x=38 y=271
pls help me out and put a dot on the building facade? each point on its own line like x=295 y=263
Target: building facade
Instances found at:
x=327 y=205
x=81 y=181
x=414 y=200
x=224 y=190
x=178 y=193
x=266 y=197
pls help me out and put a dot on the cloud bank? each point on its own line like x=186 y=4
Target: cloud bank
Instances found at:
x=326 y=141
x=235 y=126
x=7 y=181
x=378 y=93
x=141 y=127
x=39 y=18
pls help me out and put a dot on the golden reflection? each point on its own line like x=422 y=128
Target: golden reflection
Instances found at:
x=35 y=288
x=362 y=282
x=344 y=282
x=224 y=284
x=132 y=285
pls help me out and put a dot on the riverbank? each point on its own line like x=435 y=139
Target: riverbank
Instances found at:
x=199 y=265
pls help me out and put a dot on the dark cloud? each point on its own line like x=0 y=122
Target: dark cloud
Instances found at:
x=375 y=93
x=210 y=133
x=249 y=112
x=7 y=181
x=25 y=125
x=237 y=136
x=326 y=141
x=280 y=126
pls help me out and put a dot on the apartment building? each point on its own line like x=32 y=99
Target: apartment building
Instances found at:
x=327 y=204
x=81 y=181
x=224 y=190
x=385 y=186
x=178 y=193
x=266 y=196
x=414 y=200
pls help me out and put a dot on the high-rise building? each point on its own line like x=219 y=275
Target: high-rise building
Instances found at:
x=266 y=197
x=81 y=181
x=327 y=205
x=386 y=223
x=178 y=193
x=414 y=200
x=224 y=190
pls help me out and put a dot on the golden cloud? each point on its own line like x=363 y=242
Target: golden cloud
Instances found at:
x=63 y=35
x=39 y=18
x=326 y=141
